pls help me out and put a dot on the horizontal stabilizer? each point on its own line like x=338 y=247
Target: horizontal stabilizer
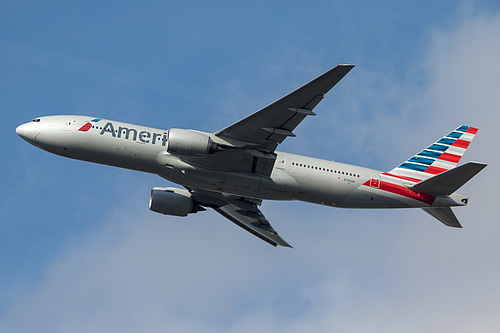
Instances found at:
x=449 y=181
x=445 y=215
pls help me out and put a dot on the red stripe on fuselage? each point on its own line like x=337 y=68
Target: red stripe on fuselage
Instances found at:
x=404 y=191
x=415 y=180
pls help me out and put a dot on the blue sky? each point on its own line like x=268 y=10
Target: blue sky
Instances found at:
x=80 y=251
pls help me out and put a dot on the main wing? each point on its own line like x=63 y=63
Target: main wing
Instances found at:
x=250 y=218
x=242 y=212
x=266 y=128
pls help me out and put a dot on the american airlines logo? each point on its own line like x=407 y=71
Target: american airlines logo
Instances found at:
x=127 y=133
x=88 y=125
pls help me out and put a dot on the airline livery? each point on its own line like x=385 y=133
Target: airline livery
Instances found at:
x=233 y=170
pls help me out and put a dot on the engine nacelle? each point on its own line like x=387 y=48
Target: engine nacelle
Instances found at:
x=173 y=201
x=189 y=143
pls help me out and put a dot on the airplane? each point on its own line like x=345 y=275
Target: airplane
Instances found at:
x=234 y=169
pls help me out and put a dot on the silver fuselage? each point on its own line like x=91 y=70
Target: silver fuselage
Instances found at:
x=293 y=177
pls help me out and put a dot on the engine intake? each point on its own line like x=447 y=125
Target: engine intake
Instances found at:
x=189 y=143
x=173 y=201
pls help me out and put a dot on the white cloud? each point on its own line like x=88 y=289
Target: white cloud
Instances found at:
x=386 y=271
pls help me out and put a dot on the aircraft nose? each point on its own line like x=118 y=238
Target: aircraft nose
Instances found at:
x=20 y=130
x=28 y=131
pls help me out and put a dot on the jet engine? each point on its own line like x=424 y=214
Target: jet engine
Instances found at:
x=173 y=201
x=189 y=143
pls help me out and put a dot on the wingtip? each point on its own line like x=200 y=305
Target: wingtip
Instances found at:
x=283 y=242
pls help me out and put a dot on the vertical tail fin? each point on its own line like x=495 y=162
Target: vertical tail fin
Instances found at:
x=439 y=157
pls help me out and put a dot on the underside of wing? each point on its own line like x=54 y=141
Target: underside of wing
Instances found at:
x=243 y=212
x=252 y=221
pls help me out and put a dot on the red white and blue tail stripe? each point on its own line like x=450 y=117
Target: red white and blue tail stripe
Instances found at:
x=441 y=156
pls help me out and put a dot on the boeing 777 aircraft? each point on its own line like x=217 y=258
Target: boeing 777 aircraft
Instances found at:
x=233 y=170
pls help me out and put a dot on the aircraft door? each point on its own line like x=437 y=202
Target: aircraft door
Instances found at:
x=375 y=181
x=280 y=163
x=68 y=124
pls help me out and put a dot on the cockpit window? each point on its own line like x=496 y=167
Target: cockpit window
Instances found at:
x=37 y=120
